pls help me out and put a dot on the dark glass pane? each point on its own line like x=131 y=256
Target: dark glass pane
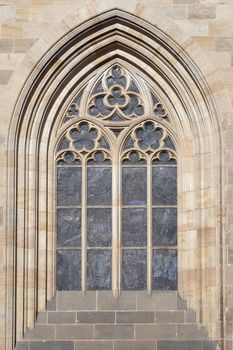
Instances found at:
x=68 y=270
x=164 y=158
x=99 y=227
x=68 y=186
x=165 y=269
x=134 y=269
x=134 y=159
x=164 y=182
x=149 y=136
x=134 y=186
x=69 y=227
x=164 y=226
x=99 y=269
x=99 y=186
x=134 y=233
x=99 y=159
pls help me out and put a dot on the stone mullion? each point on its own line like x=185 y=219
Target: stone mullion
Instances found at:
x=116 y=228
x=84 y=228
x=149 y=226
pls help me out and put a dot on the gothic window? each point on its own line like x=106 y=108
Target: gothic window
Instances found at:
x=116 y=189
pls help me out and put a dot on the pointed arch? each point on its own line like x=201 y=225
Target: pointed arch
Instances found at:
x=171 y=72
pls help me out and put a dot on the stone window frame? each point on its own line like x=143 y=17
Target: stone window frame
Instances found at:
x=116 y=134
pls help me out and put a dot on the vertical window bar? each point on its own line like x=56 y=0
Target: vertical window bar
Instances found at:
x=115 y=230
x=84 y=226
x=149 y=226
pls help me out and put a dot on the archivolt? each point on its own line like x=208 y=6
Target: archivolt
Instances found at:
x=114 y=36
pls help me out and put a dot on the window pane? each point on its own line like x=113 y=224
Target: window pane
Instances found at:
x=68 y=270
x=164 y=226
x=134 y=269
x=99 y=269
x=164 y=182
x=99 y=186
x=165 y=269
x=134 y=223
x=134 y=186
x=99 y=227
x=69 y=227
x=68 y=186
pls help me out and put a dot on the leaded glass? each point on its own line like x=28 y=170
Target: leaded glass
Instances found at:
x=69 y=186
x=134 y=269
x=99 y=269
x=134 y=186
x=164 y=269
x=164 y=182
x=116 y=188
x=68 y=270
x=69 y=227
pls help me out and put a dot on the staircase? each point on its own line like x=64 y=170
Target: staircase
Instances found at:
x=136 y=321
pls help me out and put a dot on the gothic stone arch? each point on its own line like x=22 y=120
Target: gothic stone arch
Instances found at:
x=134 y=40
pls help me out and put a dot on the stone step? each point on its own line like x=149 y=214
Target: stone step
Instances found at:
x=128 y=331
x=117 y=345
x=116 y=317
x=128 y=300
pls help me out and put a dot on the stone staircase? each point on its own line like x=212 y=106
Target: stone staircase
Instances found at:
x=136 y=321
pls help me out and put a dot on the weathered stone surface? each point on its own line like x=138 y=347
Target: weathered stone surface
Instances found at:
x=71 y=332
x=96 y=317
x=6 y=45
x=45 y=332
x=166 y=300
x=94 y=345
x=76 y=301
x=135 y=345
x=157 y=331
x=169 y=316
x=114 y=332
x=179 y=345
x=202 y=12
x=52 y=345
x=135 y=317
x=5 y=76
x=61 y=317
x=127 y=301
x=191 y=332
x=23 y=45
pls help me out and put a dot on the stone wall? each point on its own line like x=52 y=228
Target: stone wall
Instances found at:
x=29 y=28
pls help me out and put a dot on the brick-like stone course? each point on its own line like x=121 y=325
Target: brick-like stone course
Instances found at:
x=95 y=317
x=61 y=317
x=114 y=332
